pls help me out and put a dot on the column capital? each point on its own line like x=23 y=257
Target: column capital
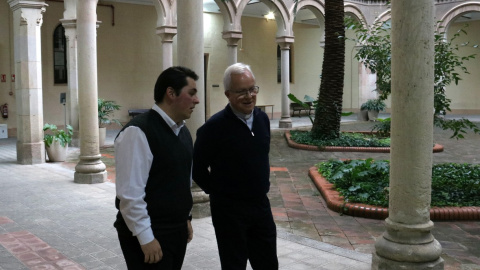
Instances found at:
x=285 y=41
x=36 y=8
x=69 y=23
x=232 y=37
x=34 y=4
x=167 y=33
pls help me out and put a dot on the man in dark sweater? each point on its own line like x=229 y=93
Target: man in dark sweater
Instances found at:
x=153 y=156
x=231 y=164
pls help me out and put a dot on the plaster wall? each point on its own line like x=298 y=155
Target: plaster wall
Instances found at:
x=466 y=95
x=259 y=49
x=53 y=110
x=307 y=66
x=216 y=48
x=6 y=64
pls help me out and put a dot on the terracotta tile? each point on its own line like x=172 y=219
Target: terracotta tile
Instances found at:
x=50 y=254
x=44 y=266
x=278 y=169
x=5 y=220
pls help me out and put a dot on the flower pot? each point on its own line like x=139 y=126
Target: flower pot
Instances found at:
x=362 y=115
x=56 y=152
x=102 y=134
x=372 y=115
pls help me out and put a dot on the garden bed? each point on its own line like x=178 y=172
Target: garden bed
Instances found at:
x=436 y=148
x=336 y=203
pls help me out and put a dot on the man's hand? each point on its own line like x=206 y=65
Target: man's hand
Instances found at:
x=153 y=251
x=190 y=231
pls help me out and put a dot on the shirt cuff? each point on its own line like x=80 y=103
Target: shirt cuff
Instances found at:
x=145 y=237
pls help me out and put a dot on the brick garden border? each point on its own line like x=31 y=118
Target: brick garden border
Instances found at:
x=336 y=203
x=436 y=148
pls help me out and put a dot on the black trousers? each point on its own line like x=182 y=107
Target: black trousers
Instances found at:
x=245 y=231
x=173 y=243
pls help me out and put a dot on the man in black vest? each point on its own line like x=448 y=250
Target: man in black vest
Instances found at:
x=153 y=156
x=231 y=164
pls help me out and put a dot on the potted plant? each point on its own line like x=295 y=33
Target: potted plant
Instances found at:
x=56 y=141
x=373 y=106
x=105 y=109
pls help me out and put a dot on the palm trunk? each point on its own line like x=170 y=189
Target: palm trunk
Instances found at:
x=330 y=96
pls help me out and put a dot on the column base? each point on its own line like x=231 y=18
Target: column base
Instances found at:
x=90 y=170
x=285 y=122
x=381 y=263
x=30 y=153
x=90 y=178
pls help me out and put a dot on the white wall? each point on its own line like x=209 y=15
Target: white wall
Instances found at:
x=466 y=95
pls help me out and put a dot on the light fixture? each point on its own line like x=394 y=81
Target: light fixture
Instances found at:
x=269 y=16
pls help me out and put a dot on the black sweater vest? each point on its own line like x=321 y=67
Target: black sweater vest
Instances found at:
x=168 y=196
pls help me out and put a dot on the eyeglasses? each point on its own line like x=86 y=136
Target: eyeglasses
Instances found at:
x=243 y=93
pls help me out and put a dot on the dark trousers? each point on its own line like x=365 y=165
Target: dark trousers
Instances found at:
x=245 y=231
x=173 y=243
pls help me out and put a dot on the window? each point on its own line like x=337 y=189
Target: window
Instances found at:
x=59 y=55
x=279 y=63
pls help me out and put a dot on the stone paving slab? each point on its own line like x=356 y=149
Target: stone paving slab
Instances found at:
x=65 y=225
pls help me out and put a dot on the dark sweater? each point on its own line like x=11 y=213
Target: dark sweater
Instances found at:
x=237 y=157
x=168 y=195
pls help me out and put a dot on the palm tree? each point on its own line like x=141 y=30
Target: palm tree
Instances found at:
x=330 y=96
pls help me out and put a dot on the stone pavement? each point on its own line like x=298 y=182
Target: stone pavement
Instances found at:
x=49 y=222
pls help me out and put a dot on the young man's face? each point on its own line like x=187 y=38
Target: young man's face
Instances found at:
x=240 y=100
x=185 y=102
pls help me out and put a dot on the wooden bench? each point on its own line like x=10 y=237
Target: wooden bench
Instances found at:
x=135 y=112
x=295 y=107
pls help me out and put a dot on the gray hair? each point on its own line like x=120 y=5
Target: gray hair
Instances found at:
x=238 y=68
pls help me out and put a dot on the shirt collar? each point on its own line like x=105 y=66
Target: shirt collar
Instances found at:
x=240 y=115
x=174 y=126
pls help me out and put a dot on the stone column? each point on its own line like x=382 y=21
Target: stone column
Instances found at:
x=284 y=43
x=190 y=53
x=407 y=242
x=90 y=169
x=69 y=22
x=232 y=38
x=27 y=20
x=167 y=33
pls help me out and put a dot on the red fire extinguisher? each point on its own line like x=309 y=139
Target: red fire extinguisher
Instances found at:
x=4 y=110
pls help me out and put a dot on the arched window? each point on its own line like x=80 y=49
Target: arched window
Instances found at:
x=59 y=55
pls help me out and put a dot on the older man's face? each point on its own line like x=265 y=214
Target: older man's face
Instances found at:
x=239 y=96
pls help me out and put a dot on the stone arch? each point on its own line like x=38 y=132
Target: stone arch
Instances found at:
x=385 y=16
x=353 y=9
x=282 y=16
x=229 y=10
x=453 y=13
x=317 y=7
x=166 y=12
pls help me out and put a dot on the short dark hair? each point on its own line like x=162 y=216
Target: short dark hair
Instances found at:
x=175 y=77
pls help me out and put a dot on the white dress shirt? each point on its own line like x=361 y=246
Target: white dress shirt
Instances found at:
x=133 y=160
